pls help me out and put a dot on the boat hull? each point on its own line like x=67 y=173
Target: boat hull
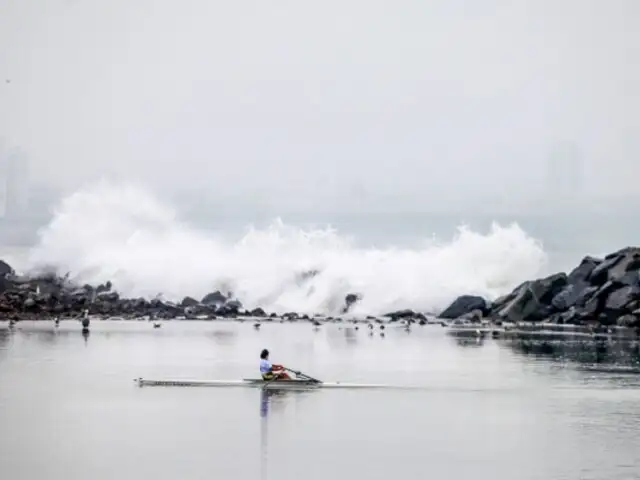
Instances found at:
x=256 y=383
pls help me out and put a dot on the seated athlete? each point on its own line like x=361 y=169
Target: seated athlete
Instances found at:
x=269 y=371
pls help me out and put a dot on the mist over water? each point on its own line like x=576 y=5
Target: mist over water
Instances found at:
x=124 y=234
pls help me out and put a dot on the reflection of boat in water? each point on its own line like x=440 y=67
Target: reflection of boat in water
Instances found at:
x=267 y=399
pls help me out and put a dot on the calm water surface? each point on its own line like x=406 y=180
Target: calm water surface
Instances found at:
x=69 y=408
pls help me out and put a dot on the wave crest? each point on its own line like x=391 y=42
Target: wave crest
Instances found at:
x=126 y=235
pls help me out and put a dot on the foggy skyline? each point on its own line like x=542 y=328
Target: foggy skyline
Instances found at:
x=351 y=103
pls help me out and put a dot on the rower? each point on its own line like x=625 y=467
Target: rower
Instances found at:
x=268 y=371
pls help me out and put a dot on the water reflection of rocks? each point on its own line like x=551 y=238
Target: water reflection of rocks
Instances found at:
x=613 y=346
x=585 y=351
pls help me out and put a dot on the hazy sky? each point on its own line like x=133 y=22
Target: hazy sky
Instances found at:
x=421 y=97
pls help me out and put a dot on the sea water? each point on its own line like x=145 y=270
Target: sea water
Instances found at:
x=69 y=408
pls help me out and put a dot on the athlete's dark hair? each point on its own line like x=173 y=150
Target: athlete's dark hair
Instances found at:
x=264 y=354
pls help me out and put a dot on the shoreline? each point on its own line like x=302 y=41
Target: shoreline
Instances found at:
x=599 y=293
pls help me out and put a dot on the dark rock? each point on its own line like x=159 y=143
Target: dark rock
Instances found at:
x=29 y=303
x=5 y=269
x=582 y=272
x=533 y=300
x=108 y=296
x=400 y=314
x=230 y=309
x=216 y=298
x=104 y=288
x=628 y=320
x=584 y=296
x=474 y=316
x=189 y=302
x=616 y=265
x=631 y=278
x=257 y=312
x=595 y=305
x=463 y=305
x=569 y=296
x=350 y=300
x=234 y=304
x=620 y=298
x=501 y=302
x=600 y=274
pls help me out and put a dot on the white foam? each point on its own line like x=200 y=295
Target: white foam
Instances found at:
x=124 y=234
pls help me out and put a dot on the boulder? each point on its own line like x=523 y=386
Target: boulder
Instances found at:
x=570 y=295
x=231 y=308
x=216 y=298
x=582 y=272
x=107 y=296
x=257 y=312
x=533 y=300
x=463 y=305
x=629 y=321
x=29 y=303
x=189 y=302
x=400 y=314
x=475 y=316
x=350 y=300
x=618 y=299
x=5 y=269
x=616 y=265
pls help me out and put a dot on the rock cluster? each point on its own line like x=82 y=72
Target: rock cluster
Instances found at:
x=598 y=291
x=48 y=295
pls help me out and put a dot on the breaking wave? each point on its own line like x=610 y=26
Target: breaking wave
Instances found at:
x=126 y=235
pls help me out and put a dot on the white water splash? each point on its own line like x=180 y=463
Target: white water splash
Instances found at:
x=125 y=235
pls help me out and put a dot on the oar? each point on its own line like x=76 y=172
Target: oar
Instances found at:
x=303 y=375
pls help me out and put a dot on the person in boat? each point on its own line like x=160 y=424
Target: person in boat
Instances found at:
x=271 y=371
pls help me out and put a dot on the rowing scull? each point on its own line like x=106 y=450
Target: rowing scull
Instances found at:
x=256 y=382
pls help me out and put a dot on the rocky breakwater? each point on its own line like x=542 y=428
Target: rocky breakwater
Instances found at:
x=48 y=295
x=599 y=292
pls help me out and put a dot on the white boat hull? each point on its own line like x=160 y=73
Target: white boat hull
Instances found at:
x=256 y=383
